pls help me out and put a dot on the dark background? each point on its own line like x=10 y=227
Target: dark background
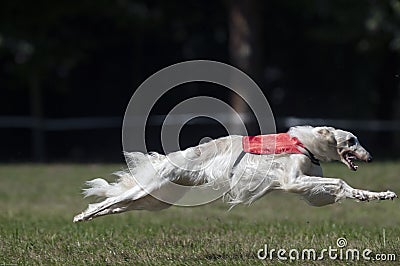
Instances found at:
x=83 y=59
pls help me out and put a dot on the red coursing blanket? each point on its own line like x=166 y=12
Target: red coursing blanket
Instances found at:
x=272 y=144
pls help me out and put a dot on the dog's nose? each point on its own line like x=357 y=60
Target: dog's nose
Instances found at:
x=369 y=159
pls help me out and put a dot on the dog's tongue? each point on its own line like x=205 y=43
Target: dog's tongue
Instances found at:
x=349 y=161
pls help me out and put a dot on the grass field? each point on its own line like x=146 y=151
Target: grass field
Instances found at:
x=38 y=202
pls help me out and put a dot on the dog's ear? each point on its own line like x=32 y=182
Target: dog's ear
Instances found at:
x=326 y=133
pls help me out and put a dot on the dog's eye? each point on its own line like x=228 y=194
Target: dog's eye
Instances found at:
x=351 y=142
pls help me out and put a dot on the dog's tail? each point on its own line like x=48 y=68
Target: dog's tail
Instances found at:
x=101 y=188
x=137 y=188
x=140 y=166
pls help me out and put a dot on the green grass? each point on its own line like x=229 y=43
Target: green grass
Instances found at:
x=38 y=202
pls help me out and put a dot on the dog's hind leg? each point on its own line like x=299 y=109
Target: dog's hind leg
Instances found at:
x=156 y=197
x=108 y=205
x=320 y=191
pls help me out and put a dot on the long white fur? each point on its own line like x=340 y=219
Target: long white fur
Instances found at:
x=212 y=164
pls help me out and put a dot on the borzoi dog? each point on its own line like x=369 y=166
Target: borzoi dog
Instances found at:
x=252 y=166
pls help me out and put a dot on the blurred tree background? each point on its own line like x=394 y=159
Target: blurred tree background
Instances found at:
x=72 y=59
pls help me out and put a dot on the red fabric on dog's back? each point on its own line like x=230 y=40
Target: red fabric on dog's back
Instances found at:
x=271 y=144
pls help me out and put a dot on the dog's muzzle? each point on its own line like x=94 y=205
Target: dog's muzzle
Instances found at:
x=349 y=156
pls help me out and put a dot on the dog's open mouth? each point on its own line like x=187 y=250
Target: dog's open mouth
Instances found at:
x=349 y=158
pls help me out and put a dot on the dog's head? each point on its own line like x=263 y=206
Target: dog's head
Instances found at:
x=349 y=149
x=345 y=145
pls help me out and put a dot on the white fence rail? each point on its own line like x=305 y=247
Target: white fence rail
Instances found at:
x=39 y=127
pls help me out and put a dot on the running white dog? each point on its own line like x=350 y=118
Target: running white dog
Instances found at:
x=252 y=166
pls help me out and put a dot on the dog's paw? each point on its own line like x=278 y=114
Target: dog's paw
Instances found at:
x=363 y=195
x=387 y=195
x=81 y=217
x=78 y=218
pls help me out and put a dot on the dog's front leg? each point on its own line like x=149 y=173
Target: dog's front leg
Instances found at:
x=320 y=191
